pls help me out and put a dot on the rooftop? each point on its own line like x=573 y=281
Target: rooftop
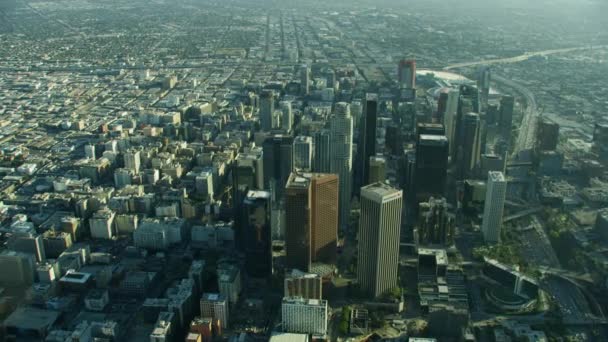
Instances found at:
x=441 y=256
x=27 y=318
x=288 y=337
x=380 y=192
x=496 y=176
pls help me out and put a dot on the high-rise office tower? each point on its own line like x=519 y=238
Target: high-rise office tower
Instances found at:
x=496 y=190
x=548 y=135
x=470 y=148
x=408 y=179
x=379 y=237
x=341 y=161
x=286 y=116
x=302 y=153
x=450 y=117
x=132 y=160
x=367 y=138
x=407 y=74
x=356 y=111
x=257 y=234
x=431 y=166
x=247 y=174
x=267 y=99
x=305 y=79
x=249 y=168
x=377 y=169
x=483 y=84
x=311 y=210
x=442 y=103
x=278 y=163
x=468 y=102
x=507 y=104
x=322 y=155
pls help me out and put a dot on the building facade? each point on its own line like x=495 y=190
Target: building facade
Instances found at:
x=308 y=316
x=379 y=237
x=341 y=160
x=311 y=206
x=494 y=206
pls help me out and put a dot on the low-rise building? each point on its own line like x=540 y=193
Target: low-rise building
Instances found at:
x=307 y=316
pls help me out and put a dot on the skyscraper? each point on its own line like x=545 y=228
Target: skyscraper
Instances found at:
x=407 y=74
x=305 y=79
x=302 y=153
x=266 y=110
x=247 y=174
x=368 y=135
x=278 y=163
x=379 y=237
x=483 y=84
x=322 y=157
x=468 y=102
x=450 y=117
x=341 y=161
x=311 y=205
x=286 y=116
x=257 y=234
x=431 y=166
x=494 y=206
x=507 y=104
x=548 y=135
x=249 y=168
x=470 y=148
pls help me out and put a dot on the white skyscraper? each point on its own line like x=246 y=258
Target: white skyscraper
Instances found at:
x=305 y=79
x=379 y=234
x=302 y=153
x=449 y=119
x=494 y=206
x=341 y=152
x=286 y=115
x=308 y=316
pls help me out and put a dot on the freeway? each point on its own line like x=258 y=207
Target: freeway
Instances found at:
x=521 y=58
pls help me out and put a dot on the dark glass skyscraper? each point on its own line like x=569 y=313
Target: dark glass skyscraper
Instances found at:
x=507 y=104
x=278 y=163
x=470 y=148
x=266 y=110
x=367 y=138
x=431 y=166
x=322 y=151
x=257 y=234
